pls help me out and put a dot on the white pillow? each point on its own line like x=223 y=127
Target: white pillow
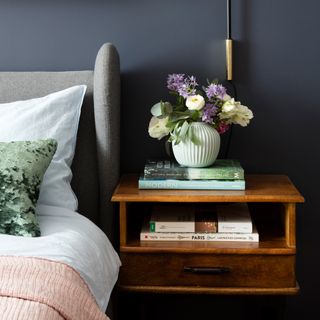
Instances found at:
x=53 y=116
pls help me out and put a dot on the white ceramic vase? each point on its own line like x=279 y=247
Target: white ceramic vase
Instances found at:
x=199 y=155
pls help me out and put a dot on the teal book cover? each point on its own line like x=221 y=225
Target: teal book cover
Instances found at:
x=144 y=183
x=222 y=169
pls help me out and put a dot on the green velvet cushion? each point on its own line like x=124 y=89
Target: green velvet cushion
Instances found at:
x=22 y=166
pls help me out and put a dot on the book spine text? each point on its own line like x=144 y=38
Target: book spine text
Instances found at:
x=247 y=237
x=191 y=184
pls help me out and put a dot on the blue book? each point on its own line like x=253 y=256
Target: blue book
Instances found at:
x=144 y=183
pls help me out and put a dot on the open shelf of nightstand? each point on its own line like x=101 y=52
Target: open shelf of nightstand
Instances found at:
x=266 y=267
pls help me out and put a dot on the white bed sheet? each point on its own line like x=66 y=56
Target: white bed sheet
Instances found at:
x=69 y=237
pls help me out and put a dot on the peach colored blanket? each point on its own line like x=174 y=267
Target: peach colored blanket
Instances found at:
x=33 y=288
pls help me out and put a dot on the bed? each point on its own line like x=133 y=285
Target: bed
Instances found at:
x=70 y=270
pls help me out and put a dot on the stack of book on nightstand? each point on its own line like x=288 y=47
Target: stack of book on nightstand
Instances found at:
x=225 y=222
x=224 y=174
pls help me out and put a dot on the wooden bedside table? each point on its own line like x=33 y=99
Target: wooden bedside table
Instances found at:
x=267 y=267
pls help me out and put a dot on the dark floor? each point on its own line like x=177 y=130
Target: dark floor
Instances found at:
x=169 y=307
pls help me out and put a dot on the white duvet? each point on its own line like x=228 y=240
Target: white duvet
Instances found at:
x=71 y=238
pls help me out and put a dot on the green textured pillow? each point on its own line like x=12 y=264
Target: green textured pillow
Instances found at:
x=22 y=166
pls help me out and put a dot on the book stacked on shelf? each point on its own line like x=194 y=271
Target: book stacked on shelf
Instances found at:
x=226 y=222
x=224 y=174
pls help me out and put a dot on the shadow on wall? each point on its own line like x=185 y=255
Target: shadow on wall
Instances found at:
x=140 y=90
x=242 y=72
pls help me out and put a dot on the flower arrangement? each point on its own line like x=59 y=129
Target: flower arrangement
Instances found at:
x=211 y=105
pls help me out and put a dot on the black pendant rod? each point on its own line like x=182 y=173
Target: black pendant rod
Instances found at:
x=228 y=19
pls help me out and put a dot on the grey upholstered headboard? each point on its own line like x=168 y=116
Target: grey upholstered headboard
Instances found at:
x=96 y=163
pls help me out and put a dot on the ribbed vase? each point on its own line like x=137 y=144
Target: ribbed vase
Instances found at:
x=199 y=155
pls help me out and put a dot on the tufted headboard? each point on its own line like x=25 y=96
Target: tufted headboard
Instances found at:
x=96 y=163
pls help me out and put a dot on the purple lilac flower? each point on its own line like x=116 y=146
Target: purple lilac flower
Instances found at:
x=183 y=90
x=189 y=87
x=209 y=111
x=193 y=81
x=215 y=90
x=175 y=81
x=184 y=86
x=186 y=91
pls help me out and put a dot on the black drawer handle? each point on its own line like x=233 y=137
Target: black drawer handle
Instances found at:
x=207 y=270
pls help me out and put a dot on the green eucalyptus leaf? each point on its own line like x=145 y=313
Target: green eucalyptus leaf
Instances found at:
x=175 y=133
x=195 y=115
x=180 y=108
x=170 y=125
x=192 y=136
x=179 y=118
x=180 y=100
x=180 y=115
x=184 y=130
x=156 y=110
x=161 y=109
x=179 y=132
x=173 y=137
x=166 y=108
x=190 y=133
x=177 y=140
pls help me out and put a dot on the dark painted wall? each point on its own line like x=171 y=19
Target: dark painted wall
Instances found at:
x=277 y=52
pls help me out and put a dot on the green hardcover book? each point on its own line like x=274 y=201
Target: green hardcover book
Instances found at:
x=222 y=169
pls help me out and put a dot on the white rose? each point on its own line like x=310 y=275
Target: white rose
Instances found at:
x=195 y=102
x=226 y=97
x=229 y=105
x=234 y=112
x=157 y=127
x=243 y=116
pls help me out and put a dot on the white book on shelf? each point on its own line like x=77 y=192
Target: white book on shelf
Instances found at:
x=234 y=217
x=172 y=219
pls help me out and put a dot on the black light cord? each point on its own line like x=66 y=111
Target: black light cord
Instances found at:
x=229 y=71
x=235 y=95
x=234 y=89
x=228 y=19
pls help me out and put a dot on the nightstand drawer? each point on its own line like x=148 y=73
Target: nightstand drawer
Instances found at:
x=207 y=270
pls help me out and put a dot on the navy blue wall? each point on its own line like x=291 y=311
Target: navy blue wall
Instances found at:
x=277 y=52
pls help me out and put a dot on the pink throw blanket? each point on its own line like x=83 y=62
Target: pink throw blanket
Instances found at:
x=33 y=288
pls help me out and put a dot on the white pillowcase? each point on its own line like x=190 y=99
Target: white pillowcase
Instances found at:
x=53 y=116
